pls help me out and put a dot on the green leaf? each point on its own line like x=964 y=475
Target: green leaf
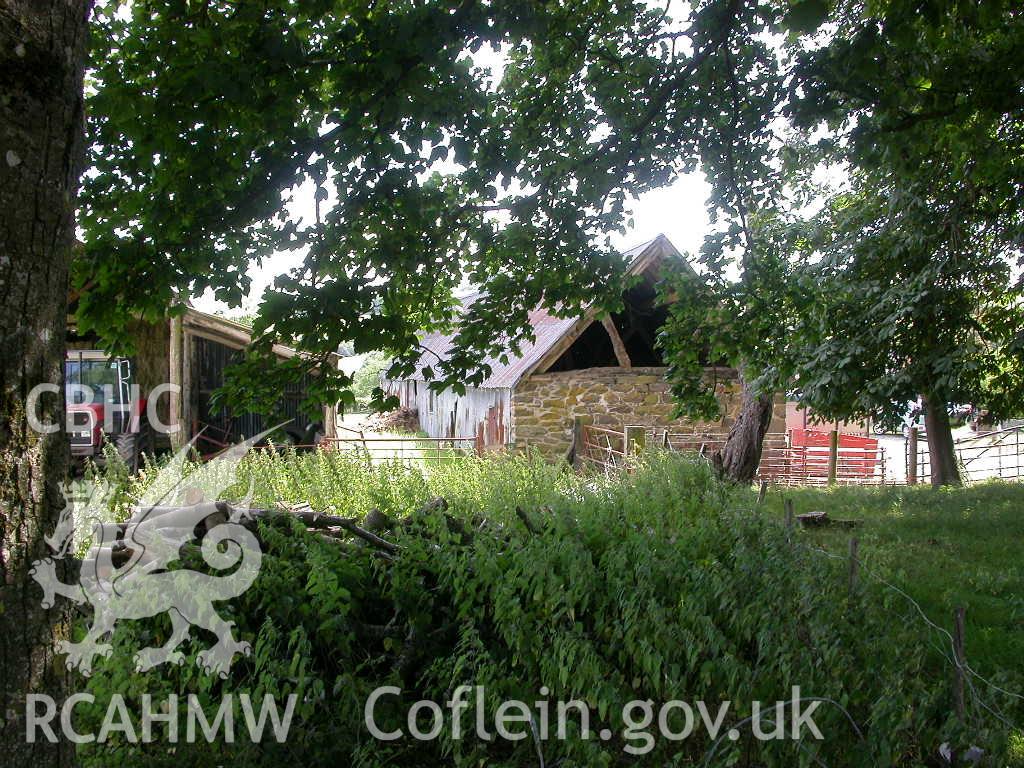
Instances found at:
x=805 y=16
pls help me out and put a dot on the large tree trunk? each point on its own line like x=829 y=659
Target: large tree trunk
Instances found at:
x=740 y=456
x=42 y=57
x=941 y=452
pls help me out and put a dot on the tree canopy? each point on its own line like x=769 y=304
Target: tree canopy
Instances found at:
x=205 y=117
x=430 y=170
x=897 y=277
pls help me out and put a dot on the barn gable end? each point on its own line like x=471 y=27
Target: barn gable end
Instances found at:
x=606 y=368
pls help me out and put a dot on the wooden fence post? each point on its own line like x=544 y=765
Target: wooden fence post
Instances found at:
x=578 y=449
x=762 y=492
x=790 y=519
x=833 y=456
x=958 y=656
x=854 y=572
x=176 y=396
x=912 y=457
x=634 y=439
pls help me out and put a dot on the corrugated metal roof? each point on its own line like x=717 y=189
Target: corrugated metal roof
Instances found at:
x=548 y=330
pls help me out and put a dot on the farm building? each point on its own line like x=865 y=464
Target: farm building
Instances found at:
x=605 y=368
x=190 y=351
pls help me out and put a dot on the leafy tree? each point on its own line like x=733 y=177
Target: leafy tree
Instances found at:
x=917 y=252
x=599 y=101
x=426 y=171
x=205 y=118
x=748 y=320
x=902 y=284
x=367 y=378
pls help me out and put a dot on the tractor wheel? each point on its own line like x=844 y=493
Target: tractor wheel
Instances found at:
x=131 y=445
x=129 y=449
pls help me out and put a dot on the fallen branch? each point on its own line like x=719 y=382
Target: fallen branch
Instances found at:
x=370 y=538
x=822 y=520
x=312 y=519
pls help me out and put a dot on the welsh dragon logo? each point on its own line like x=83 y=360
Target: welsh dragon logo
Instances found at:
x=127 y=573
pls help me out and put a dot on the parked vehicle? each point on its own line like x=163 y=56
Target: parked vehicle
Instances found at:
x=915 y=418
x=103 y=406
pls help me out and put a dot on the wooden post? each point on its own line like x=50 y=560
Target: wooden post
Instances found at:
x=618 y=347
x=578 y=450
x=790 y=517
x=854 y=572
x=175 y=422
x=667 y=445
x=762 y=493
x=912 y=457
x=958 y=654
x=634 y=439
x=833 y=456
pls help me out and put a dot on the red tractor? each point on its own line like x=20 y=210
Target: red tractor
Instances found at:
x=103 y=404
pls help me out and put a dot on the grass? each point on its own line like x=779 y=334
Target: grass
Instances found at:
x=714 y=602
x=944 y=548
x=657 y=584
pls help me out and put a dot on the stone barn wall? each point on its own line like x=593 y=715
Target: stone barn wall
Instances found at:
x=544 y=405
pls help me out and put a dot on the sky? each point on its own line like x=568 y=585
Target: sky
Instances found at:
x=677 y=211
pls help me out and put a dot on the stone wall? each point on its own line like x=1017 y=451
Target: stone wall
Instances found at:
x=544 y=405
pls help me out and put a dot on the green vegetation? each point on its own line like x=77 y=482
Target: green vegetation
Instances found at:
x=662 y=584
x=944 y=548
x=429 y=169
x=898 y=286
x=367 y=378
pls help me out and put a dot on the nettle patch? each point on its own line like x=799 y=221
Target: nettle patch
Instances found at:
x=531 y=583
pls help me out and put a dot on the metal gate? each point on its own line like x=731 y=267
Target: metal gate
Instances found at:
x=995 y=455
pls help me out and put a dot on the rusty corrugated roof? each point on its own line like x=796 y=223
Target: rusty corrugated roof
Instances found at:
x=548 y=330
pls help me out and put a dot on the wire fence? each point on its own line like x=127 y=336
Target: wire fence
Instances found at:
x=785 y=464
x=998 y=454
x=402 y=448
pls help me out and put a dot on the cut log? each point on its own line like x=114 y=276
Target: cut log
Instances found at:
x=822 y=520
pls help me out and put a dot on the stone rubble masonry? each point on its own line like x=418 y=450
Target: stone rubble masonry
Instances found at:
x=545 y=404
